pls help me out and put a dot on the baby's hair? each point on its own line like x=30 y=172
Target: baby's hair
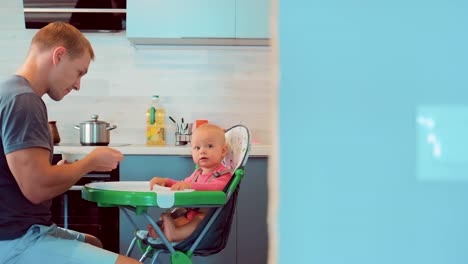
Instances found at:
x=212 y=128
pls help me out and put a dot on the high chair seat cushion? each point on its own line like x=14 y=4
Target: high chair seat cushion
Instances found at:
x=238 y=141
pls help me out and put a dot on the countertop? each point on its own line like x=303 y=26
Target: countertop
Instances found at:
x=257 y=150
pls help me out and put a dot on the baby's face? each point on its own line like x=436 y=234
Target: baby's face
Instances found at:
x=208 y=149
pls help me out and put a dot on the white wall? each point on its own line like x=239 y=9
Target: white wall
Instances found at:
x=226 y=85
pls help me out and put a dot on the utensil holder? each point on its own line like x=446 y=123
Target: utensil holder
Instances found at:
x=182 y=139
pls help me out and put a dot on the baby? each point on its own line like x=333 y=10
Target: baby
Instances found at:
x=208 y=150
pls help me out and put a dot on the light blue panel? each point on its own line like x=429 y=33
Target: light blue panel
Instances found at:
x=443 y=143
x=353 y=78
x=180 y=18
x=252 y=18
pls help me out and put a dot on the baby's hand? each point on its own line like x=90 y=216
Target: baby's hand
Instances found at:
x=181 y=186
x=158 y=181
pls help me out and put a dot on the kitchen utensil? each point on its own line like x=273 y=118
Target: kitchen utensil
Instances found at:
x=72 y=157
x=94 y=132
x=172 y=119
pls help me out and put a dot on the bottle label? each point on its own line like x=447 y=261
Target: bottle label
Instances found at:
x=155 y=135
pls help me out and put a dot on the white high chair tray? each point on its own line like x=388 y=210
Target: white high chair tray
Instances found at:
x=132 y=186
x=138 y=193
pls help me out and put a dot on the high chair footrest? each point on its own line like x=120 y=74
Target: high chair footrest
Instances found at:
x=141 y=234
x=153 y=242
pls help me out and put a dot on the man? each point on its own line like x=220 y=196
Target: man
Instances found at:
x=58 y=57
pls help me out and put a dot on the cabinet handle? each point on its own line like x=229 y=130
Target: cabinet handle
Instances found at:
x=74 y=10
x=96 y=175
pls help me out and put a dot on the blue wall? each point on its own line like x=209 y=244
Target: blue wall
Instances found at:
x=354 y=75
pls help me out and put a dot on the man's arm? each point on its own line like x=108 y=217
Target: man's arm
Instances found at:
x=39 y=181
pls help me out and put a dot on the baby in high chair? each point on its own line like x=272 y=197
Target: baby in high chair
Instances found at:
x=208 y=150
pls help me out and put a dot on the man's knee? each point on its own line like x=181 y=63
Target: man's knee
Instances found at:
x=93 y=240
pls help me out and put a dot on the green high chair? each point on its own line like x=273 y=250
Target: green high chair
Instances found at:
x=210 y=236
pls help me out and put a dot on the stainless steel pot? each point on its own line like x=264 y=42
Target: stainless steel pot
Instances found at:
x=94 y=132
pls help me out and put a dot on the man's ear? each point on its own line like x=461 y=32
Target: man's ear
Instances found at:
x=58 y=54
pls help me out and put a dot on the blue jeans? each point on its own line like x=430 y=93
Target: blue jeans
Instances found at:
x=52 y=244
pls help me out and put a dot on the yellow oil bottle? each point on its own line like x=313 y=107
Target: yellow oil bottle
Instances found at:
x=155 y=123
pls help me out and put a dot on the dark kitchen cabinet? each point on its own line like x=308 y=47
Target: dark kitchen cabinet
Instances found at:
x=37 y=14
x=248 y=241
x=69 y=210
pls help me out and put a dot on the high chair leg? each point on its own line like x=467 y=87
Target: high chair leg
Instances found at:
x=130 y=248
x=145 y=255
x=124 y=209
x=155 y=257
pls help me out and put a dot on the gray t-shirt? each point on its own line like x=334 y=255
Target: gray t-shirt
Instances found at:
x=24 y=124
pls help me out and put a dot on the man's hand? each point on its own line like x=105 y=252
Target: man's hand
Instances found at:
x=104 y=159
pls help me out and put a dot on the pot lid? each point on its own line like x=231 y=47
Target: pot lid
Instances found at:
x=94 y=120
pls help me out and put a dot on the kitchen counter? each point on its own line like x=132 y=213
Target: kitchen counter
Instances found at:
x=257 y=150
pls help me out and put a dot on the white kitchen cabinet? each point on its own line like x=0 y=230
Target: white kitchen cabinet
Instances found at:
x=181 y=18
x=252 y=18
x=218 y=22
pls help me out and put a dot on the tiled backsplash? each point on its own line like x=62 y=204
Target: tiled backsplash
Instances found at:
x=226 y=85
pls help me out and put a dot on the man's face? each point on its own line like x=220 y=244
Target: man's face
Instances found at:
x=66 y=75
